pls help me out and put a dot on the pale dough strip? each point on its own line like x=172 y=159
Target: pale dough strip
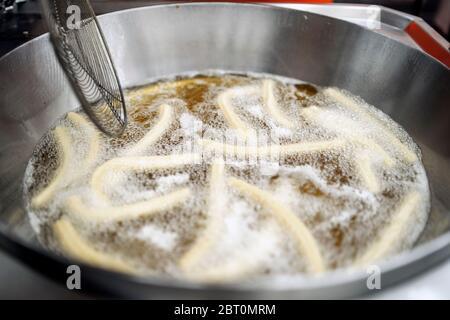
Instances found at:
x=305 y=241
x=372 y=145
x=224 y=100
x=338 y=96
x=62 y=138
x=393 y=233
x=216 y=203
x=362 y=163
x=92 y=133
x=77 y=208
x=271 y=105
x=165 y=120
x=365 y=170
x=312 y=113
x=138 y=164
x=272 y=150
x=75 y=246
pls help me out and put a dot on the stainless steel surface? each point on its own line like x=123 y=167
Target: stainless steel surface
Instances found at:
x=392 y=22
x=80 y=46
x=402 y=81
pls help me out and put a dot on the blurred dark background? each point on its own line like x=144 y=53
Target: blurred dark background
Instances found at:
x=20 y=20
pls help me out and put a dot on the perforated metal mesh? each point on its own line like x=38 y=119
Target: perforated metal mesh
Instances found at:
x=85 y=57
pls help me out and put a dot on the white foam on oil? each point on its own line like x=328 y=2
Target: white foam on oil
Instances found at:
x=166 y=183
x=156 y=236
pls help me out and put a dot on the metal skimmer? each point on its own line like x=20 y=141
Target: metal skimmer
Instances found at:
x=84 y=55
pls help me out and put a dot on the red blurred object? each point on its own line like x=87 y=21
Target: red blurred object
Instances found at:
x=428 y=43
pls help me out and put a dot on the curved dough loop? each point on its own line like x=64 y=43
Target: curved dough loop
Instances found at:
x=216 y=203
x=224 y=100
x=62 y=138
x=338 y=96
x=165 y=120
x=138 y=164
x=74 y=245
x=92 y=133
x=305 y=241
x=77 y=208
x=271 y=105
x=393 y=233
x=272 y=150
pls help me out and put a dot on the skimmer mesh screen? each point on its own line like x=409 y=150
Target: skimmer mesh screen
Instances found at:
x=85 y=57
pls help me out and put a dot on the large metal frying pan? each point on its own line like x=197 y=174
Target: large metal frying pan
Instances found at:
x=161 y=40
